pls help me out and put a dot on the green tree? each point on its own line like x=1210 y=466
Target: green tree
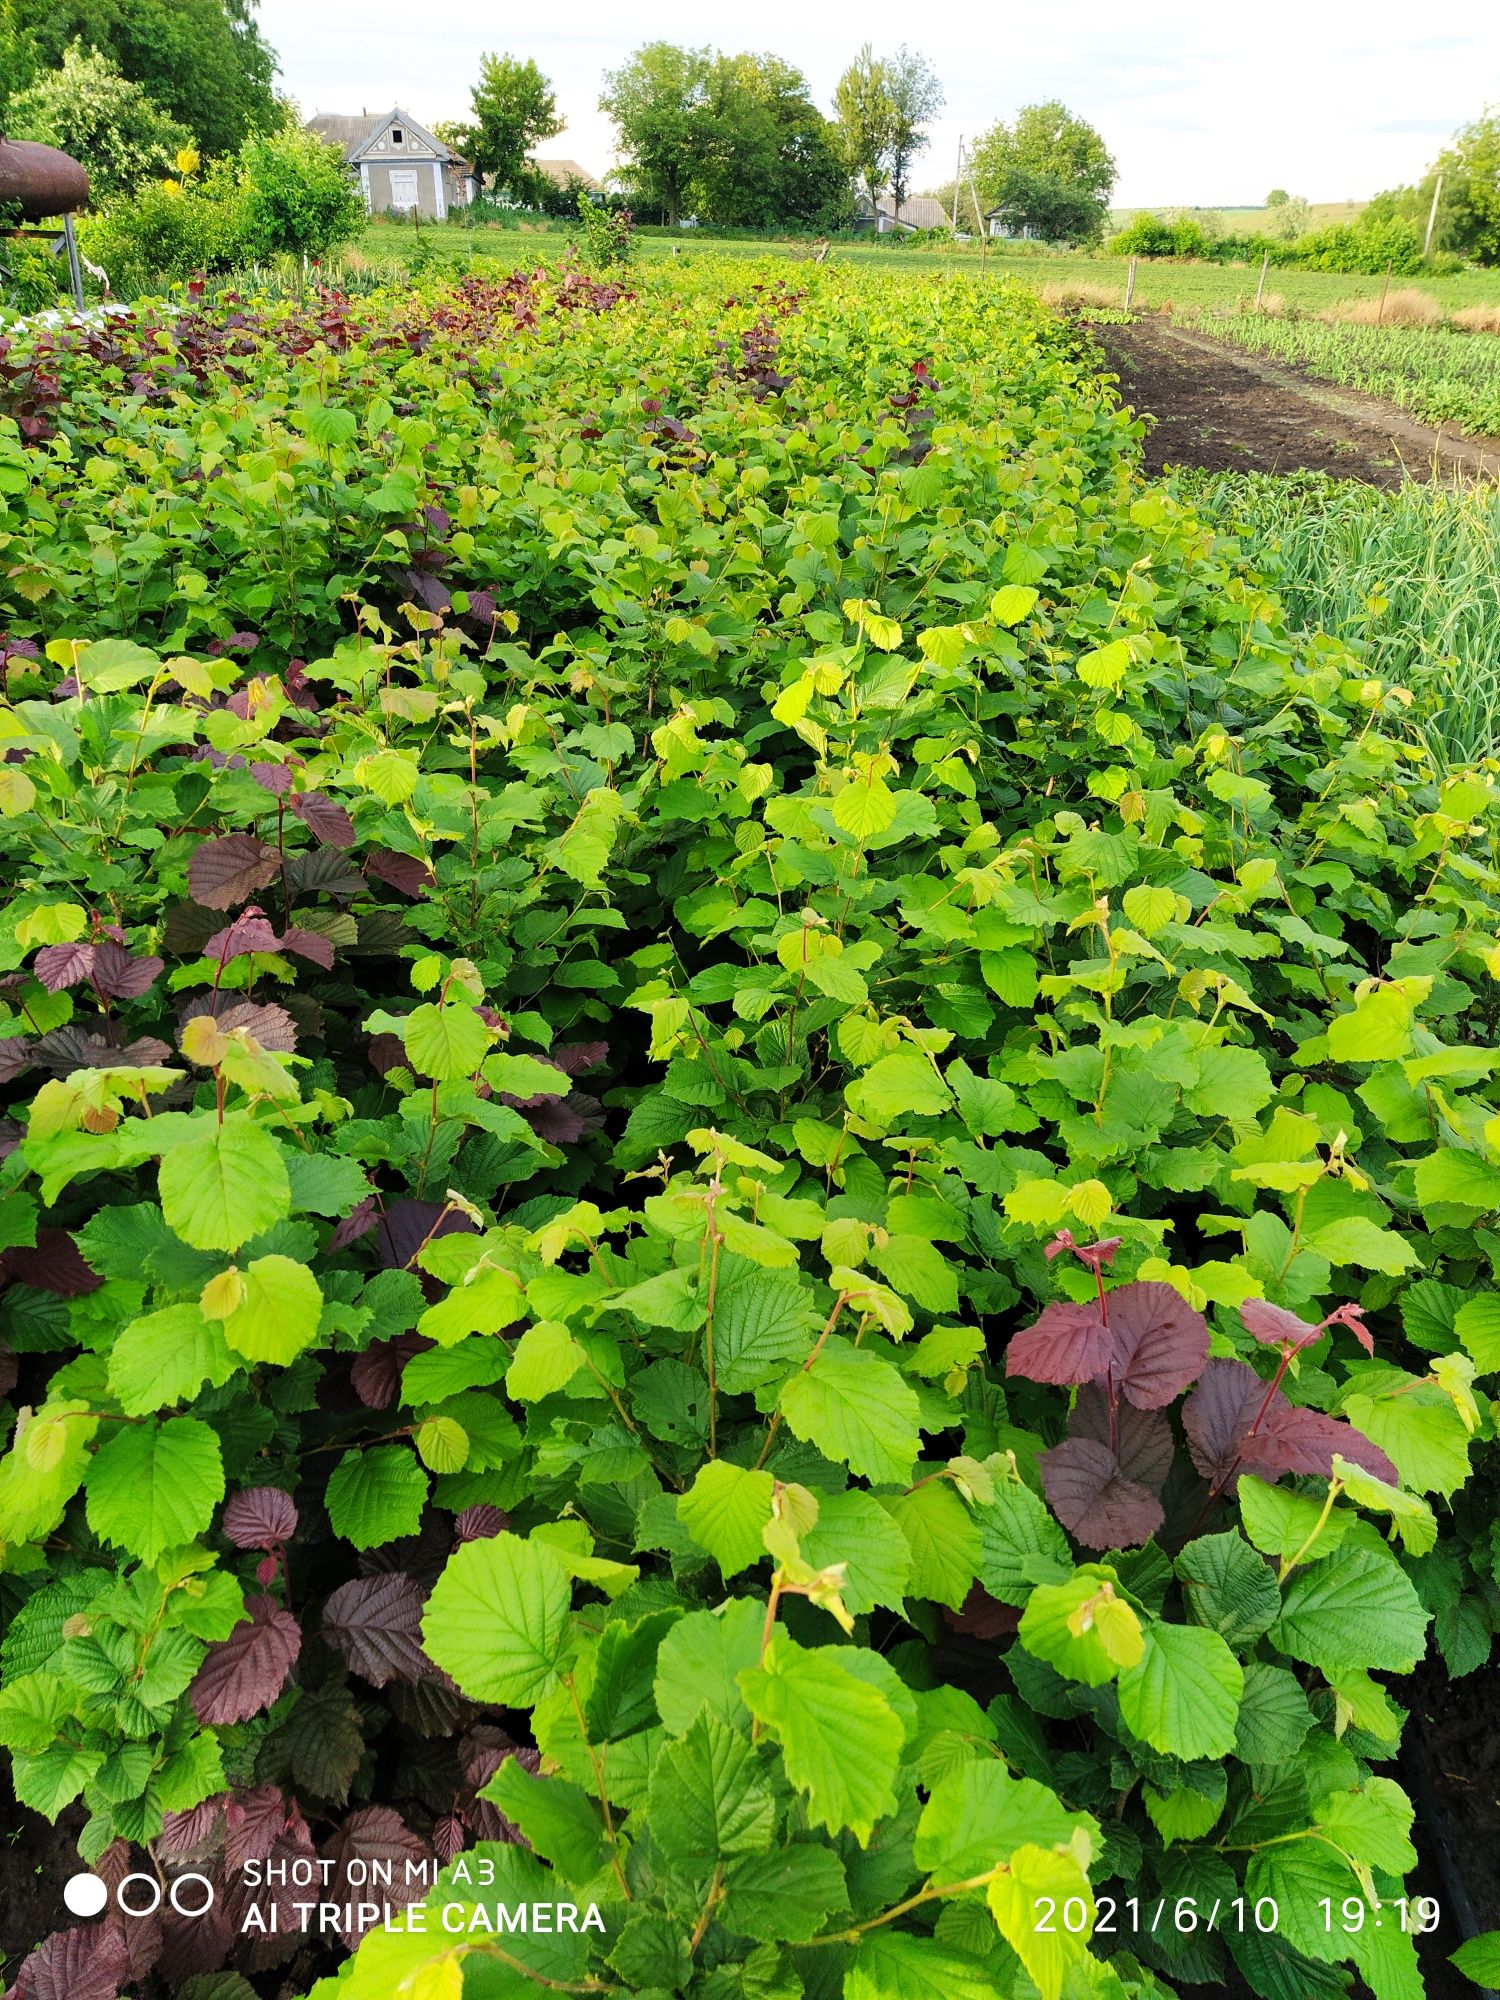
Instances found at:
x=297 y=195
x=1049 y=172
x=514 y=110
x=203 y=61
x=659 y=101
x=867 y=117
x=768 y=158
x=916 y=97
x=1288 y=218
x=1469 y=206
x=87 y=108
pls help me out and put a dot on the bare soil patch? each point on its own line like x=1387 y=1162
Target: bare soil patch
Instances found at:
x=36 y=1859
x=1220 y=410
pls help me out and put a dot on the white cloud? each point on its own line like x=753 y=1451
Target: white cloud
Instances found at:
x=1331 y=98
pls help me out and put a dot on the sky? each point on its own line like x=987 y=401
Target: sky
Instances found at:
x=1202 y=104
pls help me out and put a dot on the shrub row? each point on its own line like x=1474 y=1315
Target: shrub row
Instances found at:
x=1342 y=246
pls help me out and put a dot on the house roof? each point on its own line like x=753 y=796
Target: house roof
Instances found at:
x=918 y=211
x=921 y=211
x=563 y=171
x=340 y=129
x=357 y=134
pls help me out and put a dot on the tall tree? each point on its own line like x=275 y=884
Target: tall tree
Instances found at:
x=514 y=110
x=867 y=117
x=659 y=102
x=916 y=99
x=204 y=61
x=1049 y=172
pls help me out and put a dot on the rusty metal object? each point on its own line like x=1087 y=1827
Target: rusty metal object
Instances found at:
x=37 y=182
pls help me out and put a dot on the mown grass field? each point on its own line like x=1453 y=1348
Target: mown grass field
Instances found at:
x=1159 y=284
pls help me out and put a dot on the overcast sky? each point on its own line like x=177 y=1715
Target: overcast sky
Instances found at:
x=1201 y=103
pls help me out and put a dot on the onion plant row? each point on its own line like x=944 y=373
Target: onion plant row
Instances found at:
x=1441 y=376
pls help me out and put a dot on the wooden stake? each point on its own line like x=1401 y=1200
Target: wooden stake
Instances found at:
x=1260 y=289
x=1380 y=316
x=1130 y=284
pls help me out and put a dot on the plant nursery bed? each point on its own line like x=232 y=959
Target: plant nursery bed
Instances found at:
x=747 y=1167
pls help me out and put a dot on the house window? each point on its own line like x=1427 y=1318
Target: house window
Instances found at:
x=395 y=135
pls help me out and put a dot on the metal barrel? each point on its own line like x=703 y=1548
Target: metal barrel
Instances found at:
x=38 y=182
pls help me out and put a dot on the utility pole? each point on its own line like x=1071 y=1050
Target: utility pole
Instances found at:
x=958 y=174
x=1437 y=195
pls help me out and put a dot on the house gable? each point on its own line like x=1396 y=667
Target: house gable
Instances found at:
x=394 y=138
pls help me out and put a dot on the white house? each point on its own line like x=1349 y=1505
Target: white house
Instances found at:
x=402 y=167
x=996 y=225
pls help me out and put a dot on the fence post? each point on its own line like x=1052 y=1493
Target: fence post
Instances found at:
x=1260 y=289
x=1130 y=284
x=1380 y=316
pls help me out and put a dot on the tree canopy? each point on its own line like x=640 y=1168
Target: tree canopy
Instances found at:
x=769 y=155
x=514 y=109
x=733 y=139
x=17 y=61
x=203 y=61
x=108 y=123
x=1048 y=172
x=297 y=197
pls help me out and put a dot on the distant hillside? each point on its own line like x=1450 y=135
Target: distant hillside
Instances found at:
x=1243 y=221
